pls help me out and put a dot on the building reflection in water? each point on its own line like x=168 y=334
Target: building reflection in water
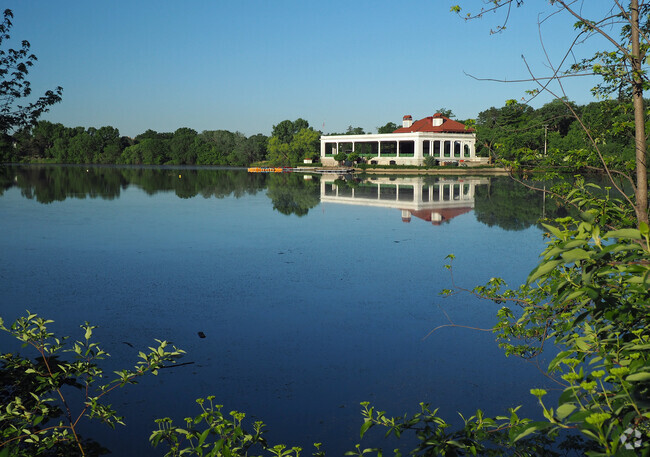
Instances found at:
x=433 y=199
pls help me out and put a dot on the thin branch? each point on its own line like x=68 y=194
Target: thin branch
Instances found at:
x=528 y=80
x=586 y=130
x=456 y=325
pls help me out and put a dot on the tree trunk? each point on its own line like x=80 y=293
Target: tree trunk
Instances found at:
x=641 y=191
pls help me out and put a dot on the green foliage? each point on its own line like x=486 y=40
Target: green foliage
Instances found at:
x=55 y=143
x=214 y=434
x=38 y=416
x=516 y=134
x=292 y=194
x=292 y=142
x=354 y=130
x=445 y=112
x=389 y=127
x=285 y=130
x=588 y=296
x=430 y=161
x=14 y=68
x=340 y=156
x=353 y=157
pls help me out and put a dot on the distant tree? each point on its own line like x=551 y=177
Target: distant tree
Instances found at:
x=557 y=116
x=255 y=148
x=279 y=152
x=182 y=148
x=149 y=151
x=288 y=146
x=354 y=130
x=44 y=134
x=221 y=143
x=446 y=112
x=390 y=127
x=286 y=129
x=109 y=145
x=154 y=135
x=237 y=155
x=305 y=144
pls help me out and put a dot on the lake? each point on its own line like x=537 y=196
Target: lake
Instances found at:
x=314 y=292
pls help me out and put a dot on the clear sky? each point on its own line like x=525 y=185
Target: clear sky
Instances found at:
x=246 y=65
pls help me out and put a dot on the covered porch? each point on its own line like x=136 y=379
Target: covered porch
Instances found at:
x=401 y=148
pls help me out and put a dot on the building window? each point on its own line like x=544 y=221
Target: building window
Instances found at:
x=407 y=148
x=330 y=149
x=388 y=148
x=436 y=149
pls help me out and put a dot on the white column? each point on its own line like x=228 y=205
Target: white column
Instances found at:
x=418 y=153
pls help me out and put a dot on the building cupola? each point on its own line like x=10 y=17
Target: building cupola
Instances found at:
x=407 y=121
x=437 y=120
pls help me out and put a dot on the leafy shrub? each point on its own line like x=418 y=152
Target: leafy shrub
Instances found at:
x=36 y=418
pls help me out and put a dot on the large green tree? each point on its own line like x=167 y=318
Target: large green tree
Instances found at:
x=389 y=127
x=15 y=64
x=622 y=64
x=291 y=142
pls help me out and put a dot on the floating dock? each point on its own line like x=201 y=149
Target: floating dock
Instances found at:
x=270 y=170
x=299 y=170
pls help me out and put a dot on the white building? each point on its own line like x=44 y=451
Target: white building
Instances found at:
x=438 y=136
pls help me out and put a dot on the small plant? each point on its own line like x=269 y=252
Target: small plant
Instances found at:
x=430 y=161
x=37 y=417
x=214 y=434
x=340 y=157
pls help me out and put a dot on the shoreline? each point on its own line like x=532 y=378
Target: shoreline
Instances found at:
x=438 y=171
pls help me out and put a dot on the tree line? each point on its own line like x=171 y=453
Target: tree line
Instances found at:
x=289 y=144
x=518 y=132
x=513 y=132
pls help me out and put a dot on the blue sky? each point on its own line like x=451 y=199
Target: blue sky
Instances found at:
x=247 y=65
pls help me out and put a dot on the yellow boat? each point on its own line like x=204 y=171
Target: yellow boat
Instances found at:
x=269 y=170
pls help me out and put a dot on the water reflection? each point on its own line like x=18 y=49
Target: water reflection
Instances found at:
x=47 y=184
x=495 y=201
x=432 y=199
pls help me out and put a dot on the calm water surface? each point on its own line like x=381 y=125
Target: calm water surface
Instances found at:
x=314 y=294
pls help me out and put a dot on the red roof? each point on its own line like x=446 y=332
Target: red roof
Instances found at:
x=445 y=213
x=426 y=125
